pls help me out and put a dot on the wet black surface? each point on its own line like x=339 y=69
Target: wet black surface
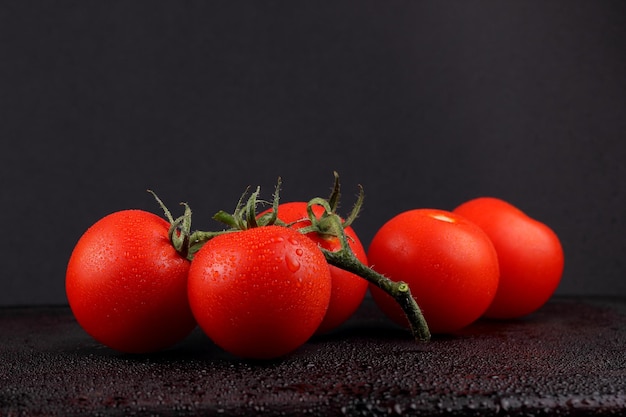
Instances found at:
x=566 y=359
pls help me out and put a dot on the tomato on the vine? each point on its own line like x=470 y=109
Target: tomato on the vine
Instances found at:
x=529 y=252
x=126 y=284
x=348 y=289
x=259 y=293
x=449 y=263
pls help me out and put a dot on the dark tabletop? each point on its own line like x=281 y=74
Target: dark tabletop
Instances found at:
x=566 y=359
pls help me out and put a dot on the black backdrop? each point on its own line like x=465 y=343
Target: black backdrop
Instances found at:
x=426 y=104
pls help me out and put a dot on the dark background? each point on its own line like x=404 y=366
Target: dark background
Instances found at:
x=426 y=104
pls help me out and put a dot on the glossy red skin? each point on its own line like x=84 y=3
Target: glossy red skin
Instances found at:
x=348 y=289
x=259 y=293
x=127 y=285
x=530 y=255
x=450 y=265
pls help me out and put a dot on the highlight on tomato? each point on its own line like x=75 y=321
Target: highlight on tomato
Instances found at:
x=126 y=284
x=530 y=256
x=449 y=263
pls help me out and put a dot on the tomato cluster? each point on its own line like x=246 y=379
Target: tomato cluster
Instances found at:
x=260 y=289
x=485 y=258
x=263 y=287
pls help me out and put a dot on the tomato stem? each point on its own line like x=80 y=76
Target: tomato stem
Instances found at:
x=400 y=291
x=331 y=224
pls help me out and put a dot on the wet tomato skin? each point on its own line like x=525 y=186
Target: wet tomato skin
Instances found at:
x=348 y=289
x=449 y=263
x=530 y=256
x=259 y=293
x=126 y=284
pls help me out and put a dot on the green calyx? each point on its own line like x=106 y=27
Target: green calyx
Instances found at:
x=245 y=217
x=186 y=242
x=329 y=223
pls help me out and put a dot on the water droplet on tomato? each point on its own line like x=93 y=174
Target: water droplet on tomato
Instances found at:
x=299 y=252
x=292 y=263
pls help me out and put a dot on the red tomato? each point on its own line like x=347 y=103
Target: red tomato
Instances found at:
x=259 y=293
x=127 y=285
x=348 y=289
x=530 y=255
x=449 y=263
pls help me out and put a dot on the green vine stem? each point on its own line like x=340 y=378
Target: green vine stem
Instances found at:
x=345 y=259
